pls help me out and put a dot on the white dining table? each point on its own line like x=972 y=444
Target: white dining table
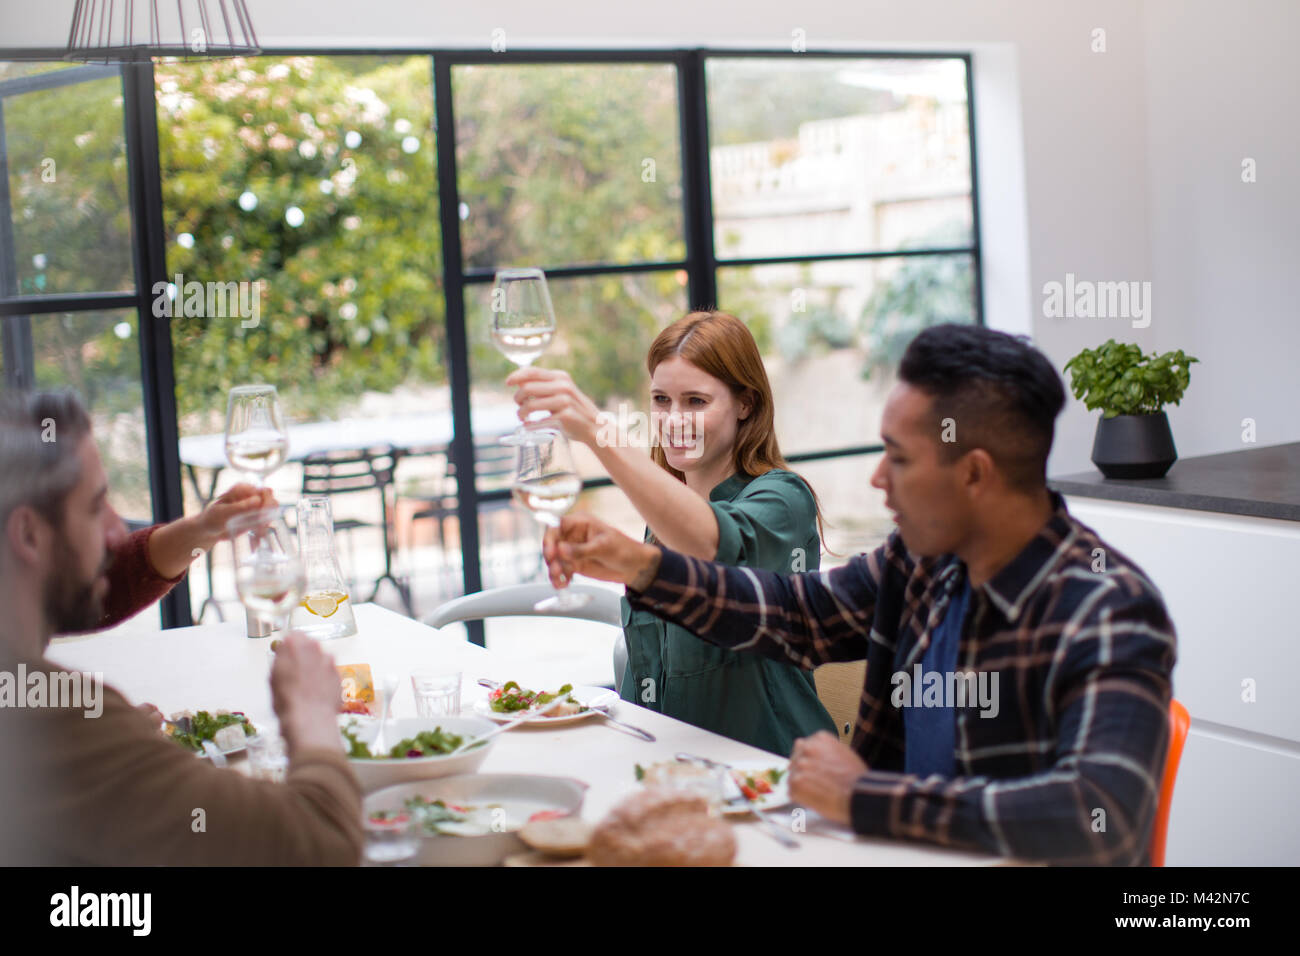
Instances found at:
x=216 y=666
x=410 y=432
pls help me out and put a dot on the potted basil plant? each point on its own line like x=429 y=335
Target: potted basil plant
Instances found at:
x=1133 y=438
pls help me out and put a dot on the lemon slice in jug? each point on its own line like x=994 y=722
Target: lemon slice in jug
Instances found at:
x=324 y=603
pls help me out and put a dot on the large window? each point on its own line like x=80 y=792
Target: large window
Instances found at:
x=356 y=207
x=843 y=223
x=68 y=303
x=307 y=184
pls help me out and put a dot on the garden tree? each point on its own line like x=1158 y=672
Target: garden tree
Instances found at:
x=551 y=170
x=71 y=217
x=318 y=181
x=568 y=165
x=924 y=291
x=764 y=100
x=72 y=233
x=558 y=165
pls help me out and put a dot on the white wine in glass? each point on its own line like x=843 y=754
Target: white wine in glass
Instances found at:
x=269 y=574
x=550 y=496
x=257 y=441
x=520 y=347
x=546 y=482
x=523 y=321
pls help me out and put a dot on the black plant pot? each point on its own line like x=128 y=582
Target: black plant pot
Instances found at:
x=1134 y=446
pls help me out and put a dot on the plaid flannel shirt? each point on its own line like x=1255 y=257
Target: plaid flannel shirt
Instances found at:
x=1067 y=769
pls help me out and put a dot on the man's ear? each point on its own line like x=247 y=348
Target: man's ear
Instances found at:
x=23 y=532
x=978 y=470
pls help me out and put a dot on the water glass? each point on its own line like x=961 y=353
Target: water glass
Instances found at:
x=392 y=838
x=268 y=757
x=437 y=694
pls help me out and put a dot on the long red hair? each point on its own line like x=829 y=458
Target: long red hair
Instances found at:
x=721 y=345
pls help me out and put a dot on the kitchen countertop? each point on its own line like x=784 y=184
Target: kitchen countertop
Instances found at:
x=1260 y=482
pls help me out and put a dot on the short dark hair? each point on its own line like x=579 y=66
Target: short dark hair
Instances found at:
x=40 y=434
x=1001 y=393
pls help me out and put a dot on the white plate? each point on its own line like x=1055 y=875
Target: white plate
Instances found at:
x=520 y=795
x=582 y=693
x=779 y=797
x=204 y=755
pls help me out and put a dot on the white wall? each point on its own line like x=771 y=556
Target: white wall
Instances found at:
x=1114 y=166
x=1220 y=87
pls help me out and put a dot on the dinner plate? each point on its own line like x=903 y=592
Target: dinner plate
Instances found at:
x=737 y=805
x=582 y=693
x=204 y=755
x=520 y=796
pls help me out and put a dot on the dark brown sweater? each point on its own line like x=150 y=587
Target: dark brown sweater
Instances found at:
x=112 y=790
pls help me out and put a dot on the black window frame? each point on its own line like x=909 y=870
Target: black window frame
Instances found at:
x=701 y=261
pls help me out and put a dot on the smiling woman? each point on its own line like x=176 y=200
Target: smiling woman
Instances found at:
x=717 y=487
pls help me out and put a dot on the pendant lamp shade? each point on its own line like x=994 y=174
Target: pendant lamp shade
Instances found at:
x=117 y=31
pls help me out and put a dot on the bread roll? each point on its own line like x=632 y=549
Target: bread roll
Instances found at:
x=662 y=827
x=566 y=836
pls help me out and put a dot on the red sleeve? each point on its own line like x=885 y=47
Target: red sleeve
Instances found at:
x=133 y=584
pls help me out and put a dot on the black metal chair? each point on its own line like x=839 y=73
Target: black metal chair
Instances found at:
x=336 y=473
x=494 y=467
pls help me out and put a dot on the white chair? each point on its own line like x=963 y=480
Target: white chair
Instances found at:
x=517 y=600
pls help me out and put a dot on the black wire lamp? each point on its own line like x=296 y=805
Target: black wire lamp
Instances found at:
x=105 y=31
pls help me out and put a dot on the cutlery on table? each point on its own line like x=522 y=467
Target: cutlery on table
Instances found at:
x=389 y=691
x=603 y=710
x=773 y=830
x=528 y=715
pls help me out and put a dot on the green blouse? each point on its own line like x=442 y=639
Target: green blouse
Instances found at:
x=768 y=522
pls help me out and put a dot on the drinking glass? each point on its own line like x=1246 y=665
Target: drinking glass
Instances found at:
x=437 y=694
x=523 y=322
x=268 y=757
x=257 y=441
x=268 y=572
x=546 y=482
x=392 y=838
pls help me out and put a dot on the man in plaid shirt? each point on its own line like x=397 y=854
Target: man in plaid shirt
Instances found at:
x=1018 y=668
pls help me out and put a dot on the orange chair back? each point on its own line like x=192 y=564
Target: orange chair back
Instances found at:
x=1179 y=721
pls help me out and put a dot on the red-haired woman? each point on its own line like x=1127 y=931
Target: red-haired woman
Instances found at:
x=716 y=487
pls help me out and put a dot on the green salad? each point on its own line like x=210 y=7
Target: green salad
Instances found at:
x=510 y=697
x=427 y=743
x=191 y=730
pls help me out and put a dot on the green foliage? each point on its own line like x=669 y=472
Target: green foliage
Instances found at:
x=554 y=164
x=552 y=169
x=753 y=101
x=924 y=291
x=1119 y=380
x=68 y=185
x=352 y=298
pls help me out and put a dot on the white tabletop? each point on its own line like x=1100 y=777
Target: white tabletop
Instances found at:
x=403 y=432
x=216 y=666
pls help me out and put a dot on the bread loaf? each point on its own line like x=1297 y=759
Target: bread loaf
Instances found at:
x=662 y=827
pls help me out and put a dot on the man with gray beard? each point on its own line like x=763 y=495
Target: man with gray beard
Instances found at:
x=110 y=789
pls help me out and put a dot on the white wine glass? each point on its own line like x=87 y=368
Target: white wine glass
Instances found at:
x=546 y=482
x=523 y=322
x=257 y=441
x=269 y=574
